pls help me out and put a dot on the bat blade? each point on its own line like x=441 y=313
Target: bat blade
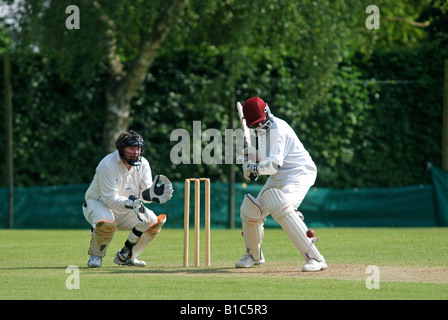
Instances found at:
x=246 y=133
x=247 y=140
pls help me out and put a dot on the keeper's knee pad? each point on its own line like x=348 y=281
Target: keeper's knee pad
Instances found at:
x=148 y=236
x=102 y=234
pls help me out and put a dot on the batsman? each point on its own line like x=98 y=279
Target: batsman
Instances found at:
x=114 y=200
x=291 y=170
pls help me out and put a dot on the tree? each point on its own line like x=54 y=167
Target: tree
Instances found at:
x=126 y=36
x=253 y=37
x=77 y=85
x=124 y=84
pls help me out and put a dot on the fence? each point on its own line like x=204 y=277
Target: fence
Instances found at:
x=58 y=207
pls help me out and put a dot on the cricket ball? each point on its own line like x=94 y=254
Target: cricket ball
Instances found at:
x=310 y=233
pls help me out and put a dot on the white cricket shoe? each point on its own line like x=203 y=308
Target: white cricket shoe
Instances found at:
x=94 y=262
x=247 y=261
x=121 y=260
x=314 y=265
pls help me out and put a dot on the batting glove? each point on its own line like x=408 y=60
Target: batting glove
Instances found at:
x=250 y=170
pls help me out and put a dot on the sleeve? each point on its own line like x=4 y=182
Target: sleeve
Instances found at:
x=108 y=182
x=146 y=181
x=277 y=141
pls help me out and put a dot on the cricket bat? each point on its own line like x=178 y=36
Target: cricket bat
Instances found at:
x=246 y=133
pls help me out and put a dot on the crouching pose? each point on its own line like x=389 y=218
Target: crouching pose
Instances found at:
x=114 y=200
x=282 y=156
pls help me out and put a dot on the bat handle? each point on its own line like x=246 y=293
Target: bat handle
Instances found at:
x=252 y=176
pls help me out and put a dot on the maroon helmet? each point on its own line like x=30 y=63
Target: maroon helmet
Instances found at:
x=255 y=110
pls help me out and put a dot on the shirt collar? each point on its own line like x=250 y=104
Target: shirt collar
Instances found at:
x=117 y=156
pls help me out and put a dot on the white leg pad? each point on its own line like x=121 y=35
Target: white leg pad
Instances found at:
x=253 y=236
x=296 y=230
x=252 y=221
x=275 y=203
x=148 y=236
x=102 y=236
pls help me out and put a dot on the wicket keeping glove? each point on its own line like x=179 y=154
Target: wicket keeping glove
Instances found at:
x=161 y=190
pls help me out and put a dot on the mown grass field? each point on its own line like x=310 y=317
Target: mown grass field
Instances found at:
x=412 y=264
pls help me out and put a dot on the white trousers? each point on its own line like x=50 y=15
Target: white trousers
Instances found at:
x=97 y=211
x=294 y=192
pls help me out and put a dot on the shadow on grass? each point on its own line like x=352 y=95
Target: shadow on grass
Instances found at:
x=162 y=270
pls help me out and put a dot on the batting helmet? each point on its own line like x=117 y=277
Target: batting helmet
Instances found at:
x=255 y=110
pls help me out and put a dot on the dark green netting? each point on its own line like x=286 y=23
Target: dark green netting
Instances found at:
x=440 y=182
x=412 y=206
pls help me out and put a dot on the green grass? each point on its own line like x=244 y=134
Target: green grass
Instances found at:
x=413 y=264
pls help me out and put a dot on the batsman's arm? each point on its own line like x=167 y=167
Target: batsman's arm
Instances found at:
x=266 y=167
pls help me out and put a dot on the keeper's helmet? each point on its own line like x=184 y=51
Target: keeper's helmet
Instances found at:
x=130 y=139
x=257 y=115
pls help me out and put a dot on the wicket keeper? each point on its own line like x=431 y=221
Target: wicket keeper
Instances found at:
x=115 y=197
x=281 y=155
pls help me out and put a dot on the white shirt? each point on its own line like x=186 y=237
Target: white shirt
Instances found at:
x=113 y=183
x=282 y=146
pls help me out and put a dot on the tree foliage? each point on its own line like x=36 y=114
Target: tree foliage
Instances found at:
x=360 y=100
